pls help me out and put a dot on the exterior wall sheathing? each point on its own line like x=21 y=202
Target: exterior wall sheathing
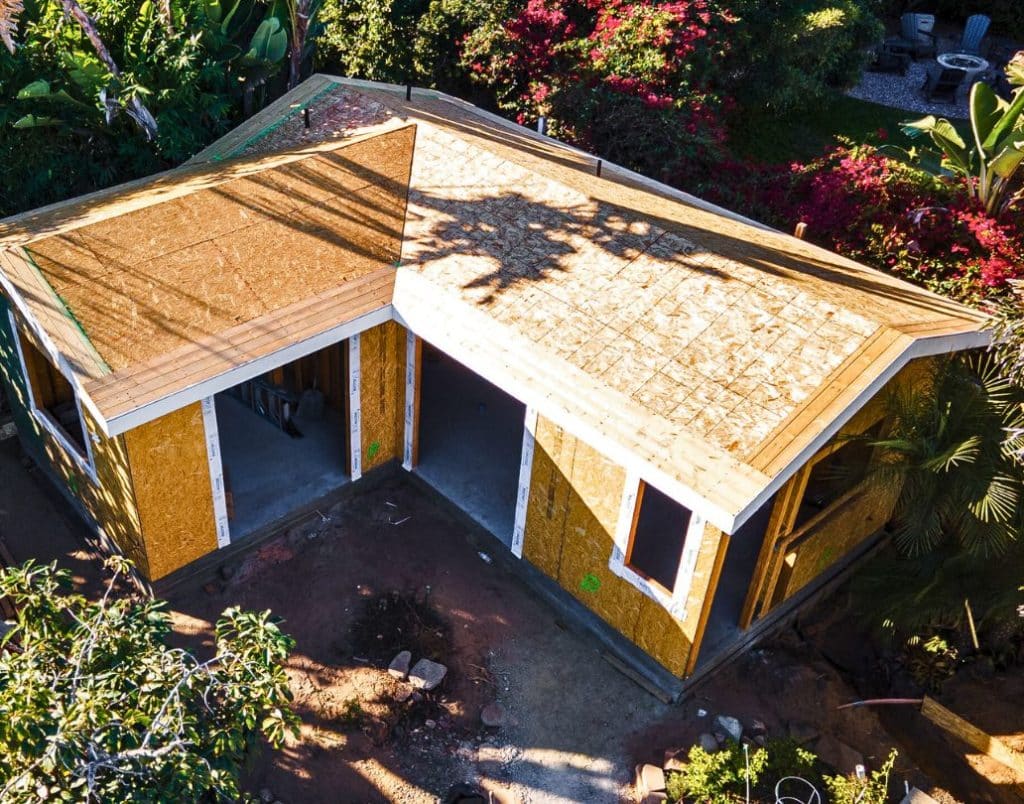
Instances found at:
x=382 y=393
x=171 y=476
x=575 y=496
x=109 y=506
x=798 y=559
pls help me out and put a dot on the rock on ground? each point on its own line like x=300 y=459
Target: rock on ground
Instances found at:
x=427 y=675
x=399 y=667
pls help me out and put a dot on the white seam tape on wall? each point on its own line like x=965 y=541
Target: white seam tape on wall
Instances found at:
x=355 y=406
x=410 y=398
x=220 y=506
x=676 y=602
x=525 y=471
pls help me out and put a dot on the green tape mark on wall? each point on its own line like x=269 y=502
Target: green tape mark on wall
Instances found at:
x=590 y=583
x=372 y=450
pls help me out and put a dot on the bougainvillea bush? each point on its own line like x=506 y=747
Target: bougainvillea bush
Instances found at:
x=632 y=81
x=862 y=203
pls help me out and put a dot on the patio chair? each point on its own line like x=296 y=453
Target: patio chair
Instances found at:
x=887 y=59
x=974 y=32
x=942 y=82
x=912 y=40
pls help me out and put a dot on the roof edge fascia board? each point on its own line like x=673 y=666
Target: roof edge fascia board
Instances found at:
x=228 y=379
x=50 y=346
x=916 y=348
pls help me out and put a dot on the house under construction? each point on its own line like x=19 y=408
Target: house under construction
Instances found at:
x=643 y=396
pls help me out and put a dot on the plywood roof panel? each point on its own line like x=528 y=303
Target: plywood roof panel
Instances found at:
x=164 y=275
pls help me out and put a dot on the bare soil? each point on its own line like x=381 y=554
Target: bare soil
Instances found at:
x=365 y=737
x=795 y=683
x=575 y=728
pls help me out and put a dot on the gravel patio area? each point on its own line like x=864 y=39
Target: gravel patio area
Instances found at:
x=904 y=92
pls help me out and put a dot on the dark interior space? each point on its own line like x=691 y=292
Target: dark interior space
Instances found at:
x=284 y=439
x=734 y=582
x=657 y=544
x=470 y=441
x=53 y=394
x=837 y=473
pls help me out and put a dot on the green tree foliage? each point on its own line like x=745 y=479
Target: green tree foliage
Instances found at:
x=68 y=123
x=402 y=41
x=95 y=706
x=787 y=56
x=990 y=165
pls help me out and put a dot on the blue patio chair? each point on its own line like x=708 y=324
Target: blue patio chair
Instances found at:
x=974 y=32
x=912 y=40
x=942 y=83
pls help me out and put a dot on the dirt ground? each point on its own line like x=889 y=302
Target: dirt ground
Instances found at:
x=575 y=726
x=569 y=711
x=795 y=683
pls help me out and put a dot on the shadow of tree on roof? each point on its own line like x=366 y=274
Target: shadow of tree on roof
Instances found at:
x=312 y=220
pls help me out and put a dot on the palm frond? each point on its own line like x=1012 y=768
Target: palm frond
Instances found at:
x=10 y=11
x=1001 y=501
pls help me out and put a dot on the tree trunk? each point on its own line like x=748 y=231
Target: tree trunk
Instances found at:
x=136 y=110
x=300 y=27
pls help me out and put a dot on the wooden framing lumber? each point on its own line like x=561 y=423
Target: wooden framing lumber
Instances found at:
x=976 y=738
x=707 y=604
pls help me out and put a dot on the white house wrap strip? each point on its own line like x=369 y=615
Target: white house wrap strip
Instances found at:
x=525 y=470
x=220 y=507
x=410 y=399
x=355 y=407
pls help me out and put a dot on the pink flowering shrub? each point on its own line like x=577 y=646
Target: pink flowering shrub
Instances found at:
x=890 y=215
x=628 y=80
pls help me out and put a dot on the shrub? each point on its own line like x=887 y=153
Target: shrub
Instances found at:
x=790 y=54
x=721 y=777
x=851 y=790
x=859 y=202
x=718 y=778
x=633 y=81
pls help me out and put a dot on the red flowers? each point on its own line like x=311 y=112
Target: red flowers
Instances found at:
x=542 y=59
x=887 y=214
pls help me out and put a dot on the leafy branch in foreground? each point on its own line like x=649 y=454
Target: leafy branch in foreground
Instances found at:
x=95 y=705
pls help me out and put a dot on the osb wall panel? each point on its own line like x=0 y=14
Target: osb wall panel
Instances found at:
x=171 y=477
x=382 y=393
x=111 y=504
x=575 y=493
x=549 y=492
x=662 y=636
x=837 y=535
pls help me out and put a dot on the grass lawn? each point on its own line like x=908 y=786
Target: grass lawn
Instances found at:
x=805 y=135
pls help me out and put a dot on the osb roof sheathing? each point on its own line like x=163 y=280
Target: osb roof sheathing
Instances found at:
x=165 y=275
x=718 y=336
x=722 y=327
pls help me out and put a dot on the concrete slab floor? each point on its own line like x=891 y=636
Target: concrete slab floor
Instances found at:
x=470 y=442
x=269 y=473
